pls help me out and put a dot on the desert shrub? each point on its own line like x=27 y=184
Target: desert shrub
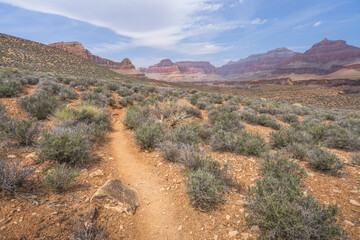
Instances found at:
x=281 y=210
x=242 y=142
x=298 y=150
x=13 y=175
x=268 y=121
x=10 y=88
x=287 y=136
x=136 y=116
x=91 y=114
x=223 y=118
x=64 y=114
x=39 y=105
x=92 y=98
x=149 y=135
x=32 y=80
x=289 y=118
x=341 y=138
x=204 y=189
x=111 y=102
x=65 y=144
x=178 y=152
x=315 y=128
x=356 y=158
x=250 y=144
x=124 y=92
x=325 y=161
x=187 y=133
x=249 y=115
x=60 y=177
x=22 y=131
x=193 y=112
x=2 y=110
x=67 y=93
x=205 y=132
x=202 y=104
x=86 y=229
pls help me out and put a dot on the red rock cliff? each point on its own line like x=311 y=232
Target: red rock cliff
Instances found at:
x=166 y=66
x=124 y=67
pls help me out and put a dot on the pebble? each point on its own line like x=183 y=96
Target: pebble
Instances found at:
x=239 y=202
x=11 y=156
x=96 y=173
x=347 y=222
x=227 y=217
x=216 y=237
x=233 y=233
x=354 y=202
x=180 y=227
x=244 y=236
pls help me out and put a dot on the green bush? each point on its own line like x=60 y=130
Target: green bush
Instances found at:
x=281 y=210
x=149 y=135
x=39 y=105
x=223 y=118
x=267 y=120
x=22 y=131
x=243 y=142
x=60 y=177
x=10 y=88
x=136 y=116
x=298 y=150
x=356 y=158
x=341 y=138
x=187 y=133
x=13 y=175
x=65 y=144
x=287 y=136
x=64 y=114
x=325 y=161
x=289 y=118
x=193 y=112
x=204 y=189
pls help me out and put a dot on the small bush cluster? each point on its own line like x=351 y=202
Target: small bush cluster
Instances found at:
x=10 y=88
x=13 y=175
x=224 y=118
x=356 y=158
x=267 y=120
x=149 y=135
x=136 y=116
x=39 y=105
x=325 y=161
x=282 y=211
x=243 y=142
x=65 y=144
x=22 y=131
x=60 y=177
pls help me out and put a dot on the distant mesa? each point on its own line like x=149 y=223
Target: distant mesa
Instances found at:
x=322 y=58
x=124 y=67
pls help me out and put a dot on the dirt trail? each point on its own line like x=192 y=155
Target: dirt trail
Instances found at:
x=155 y=218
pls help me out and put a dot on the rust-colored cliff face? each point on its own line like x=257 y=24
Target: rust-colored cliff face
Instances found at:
x=322 y=58
x=123 y=67
x=257 y=62
x=166 y=66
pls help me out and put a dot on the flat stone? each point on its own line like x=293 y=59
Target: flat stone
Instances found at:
x=233 y=233
x=227 y=217
x=180 y=227
x=245 y=236
x=239 y=202
x=31 y=156
x=347 y=222
x=115 y=191
x=11 y=156
x=354 y=202
x=96 y=173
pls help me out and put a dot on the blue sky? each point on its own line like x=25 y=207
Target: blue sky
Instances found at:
x=147 y=31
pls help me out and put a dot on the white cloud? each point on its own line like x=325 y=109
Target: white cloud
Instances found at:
x=258 y=21
x=155 y=23
x=317 y=24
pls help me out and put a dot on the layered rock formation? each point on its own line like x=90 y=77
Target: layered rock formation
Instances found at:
x=322 y=58
x=124 y=67
x=257 y=62
x=181 y=71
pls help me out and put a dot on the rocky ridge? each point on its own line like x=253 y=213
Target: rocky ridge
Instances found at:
x=123 y=67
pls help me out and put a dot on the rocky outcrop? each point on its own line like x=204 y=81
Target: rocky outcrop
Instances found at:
x=115 y=192
x=322 y=58
x=185 y=71
x=257 y=62
x=123 y=67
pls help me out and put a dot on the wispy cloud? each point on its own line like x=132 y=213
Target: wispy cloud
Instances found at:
x=156 y=23
x=317 y=24
x=258 y=21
